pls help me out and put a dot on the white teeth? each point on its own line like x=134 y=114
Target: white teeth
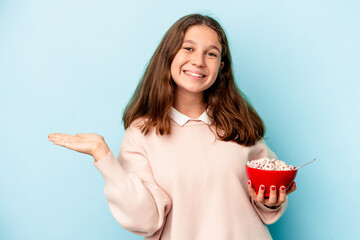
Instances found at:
x=194 y=74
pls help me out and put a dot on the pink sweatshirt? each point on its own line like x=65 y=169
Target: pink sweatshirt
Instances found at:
x=188 y=185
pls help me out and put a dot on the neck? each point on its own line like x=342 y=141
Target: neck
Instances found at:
x=190 y=105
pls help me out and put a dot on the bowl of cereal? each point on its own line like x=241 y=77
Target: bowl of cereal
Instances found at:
x=269 y=172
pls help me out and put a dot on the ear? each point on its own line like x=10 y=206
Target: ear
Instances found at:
x=222 y=65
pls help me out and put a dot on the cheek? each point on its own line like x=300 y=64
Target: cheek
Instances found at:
x=175 y=65
x=173 y=71
x=178 y=62
x=216 y=68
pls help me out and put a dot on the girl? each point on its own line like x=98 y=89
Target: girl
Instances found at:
x=180 y=173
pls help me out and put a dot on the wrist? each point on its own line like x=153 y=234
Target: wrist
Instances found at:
x=272 y=207
x=101 y=151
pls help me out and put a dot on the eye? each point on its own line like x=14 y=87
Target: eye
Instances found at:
x=188 y=49
x=211 y=54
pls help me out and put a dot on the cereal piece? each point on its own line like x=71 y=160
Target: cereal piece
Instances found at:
x=269 y=164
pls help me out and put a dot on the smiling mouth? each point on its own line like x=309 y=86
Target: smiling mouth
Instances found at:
x=192 y=74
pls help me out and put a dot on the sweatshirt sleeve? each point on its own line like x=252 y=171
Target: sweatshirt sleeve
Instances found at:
x=135 y=200
x=267 y=215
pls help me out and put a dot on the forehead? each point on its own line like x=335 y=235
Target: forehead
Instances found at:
x=201 y=34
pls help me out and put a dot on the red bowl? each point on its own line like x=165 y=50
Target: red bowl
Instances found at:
x=270 y=177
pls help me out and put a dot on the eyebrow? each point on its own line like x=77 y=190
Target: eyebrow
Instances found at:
x=212 y=46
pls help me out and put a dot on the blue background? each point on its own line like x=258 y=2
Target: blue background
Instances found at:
x=71 y=66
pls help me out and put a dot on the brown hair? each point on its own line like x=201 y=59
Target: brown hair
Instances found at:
x=233 y=116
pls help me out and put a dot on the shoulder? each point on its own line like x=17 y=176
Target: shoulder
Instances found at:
x=136 y=125
x=133 y=138
x=260 y=149
x=136 y=130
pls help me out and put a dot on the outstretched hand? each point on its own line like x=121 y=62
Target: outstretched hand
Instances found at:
x=274 y=200
x=88 y=143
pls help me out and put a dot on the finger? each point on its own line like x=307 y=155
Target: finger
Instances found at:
x=273 y=196
x=251 y=190
x=261 y=194
x=292 y=188
x=52 y=136
x=64 y=140
x=81 y=134
x=61 y=136
x=282 y=195
x=61 y=142
x=71 y=145
x=58 y=136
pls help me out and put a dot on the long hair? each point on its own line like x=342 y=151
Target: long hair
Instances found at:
x=229 y=111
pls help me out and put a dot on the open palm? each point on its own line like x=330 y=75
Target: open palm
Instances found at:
x=88 y=143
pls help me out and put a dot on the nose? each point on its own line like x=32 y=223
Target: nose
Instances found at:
x=198 y=59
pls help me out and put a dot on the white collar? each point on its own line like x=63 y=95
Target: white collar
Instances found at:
x=181 y=118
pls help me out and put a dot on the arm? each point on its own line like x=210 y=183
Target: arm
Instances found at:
x=268 y=215
x=135 y=200
x=269 y=209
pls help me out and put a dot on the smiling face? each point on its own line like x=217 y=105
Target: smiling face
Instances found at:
x=196 y=65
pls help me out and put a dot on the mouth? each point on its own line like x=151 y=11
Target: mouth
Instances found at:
x=193 y=74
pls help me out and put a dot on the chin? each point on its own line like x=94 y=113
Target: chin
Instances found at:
x=195 y=90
